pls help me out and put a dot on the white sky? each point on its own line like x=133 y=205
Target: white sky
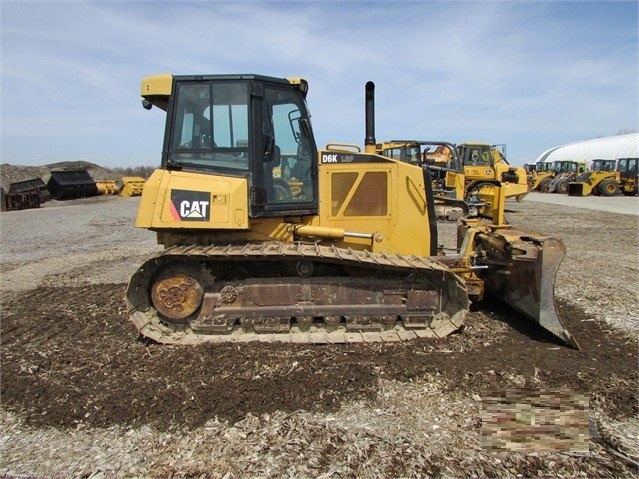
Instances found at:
x=530 y=74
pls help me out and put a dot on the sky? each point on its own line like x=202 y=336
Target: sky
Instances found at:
x=530 y=74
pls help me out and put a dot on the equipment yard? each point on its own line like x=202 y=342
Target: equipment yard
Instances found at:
x=84 y=396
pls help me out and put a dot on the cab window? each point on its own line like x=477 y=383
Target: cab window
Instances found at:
x=288 y=148
x=210 y=126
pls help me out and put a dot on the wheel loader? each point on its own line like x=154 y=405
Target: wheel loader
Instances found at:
x=607 y=178
x=541 y=171
x=563 y=172
x=337 y=245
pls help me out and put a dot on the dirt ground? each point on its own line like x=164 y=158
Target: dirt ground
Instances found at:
x=80 y=386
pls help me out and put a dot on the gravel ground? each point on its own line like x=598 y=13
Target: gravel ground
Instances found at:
x=93 y=400
x=626 y=205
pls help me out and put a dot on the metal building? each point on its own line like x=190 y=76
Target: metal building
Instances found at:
x=608 y=148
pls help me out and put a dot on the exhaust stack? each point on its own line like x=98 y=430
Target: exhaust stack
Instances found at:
x=369 y=141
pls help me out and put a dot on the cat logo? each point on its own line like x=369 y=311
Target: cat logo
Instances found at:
x=190 y=205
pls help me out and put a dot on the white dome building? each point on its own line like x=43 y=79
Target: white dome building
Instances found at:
x=608 y=148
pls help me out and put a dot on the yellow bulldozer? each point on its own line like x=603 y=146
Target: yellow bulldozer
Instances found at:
x=341 y=248
x=486 y=164
x=407 y=151
x=607 y=178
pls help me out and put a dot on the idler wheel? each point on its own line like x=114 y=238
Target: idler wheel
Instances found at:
x=177 y=293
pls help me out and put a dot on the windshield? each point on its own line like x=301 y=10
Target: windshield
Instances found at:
x=565 y=166
x=407 y=153
x=210 y=125
x=603 y=165
x=477 y=155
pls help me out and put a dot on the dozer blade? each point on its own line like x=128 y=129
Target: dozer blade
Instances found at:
x=521 y=271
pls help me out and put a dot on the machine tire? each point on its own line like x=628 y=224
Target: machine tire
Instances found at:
x=608 y=187
x=562 y=187
x=543 y=185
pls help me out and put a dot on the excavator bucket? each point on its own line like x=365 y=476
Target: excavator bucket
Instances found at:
x=24 y=194
x=520 y=269
x=132 y=186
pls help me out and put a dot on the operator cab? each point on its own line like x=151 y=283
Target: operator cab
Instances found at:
x=628 y=167
x=246 y=126
x=603 y=165
x=475 y=155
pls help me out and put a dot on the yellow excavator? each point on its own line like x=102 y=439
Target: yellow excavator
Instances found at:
x=337 y=245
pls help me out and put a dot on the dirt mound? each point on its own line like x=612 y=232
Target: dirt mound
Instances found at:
x=14 y=173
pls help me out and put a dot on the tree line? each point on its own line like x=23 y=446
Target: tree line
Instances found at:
x=142 y=171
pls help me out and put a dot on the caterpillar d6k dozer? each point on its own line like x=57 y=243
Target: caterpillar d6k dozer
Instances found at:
x=268 y=238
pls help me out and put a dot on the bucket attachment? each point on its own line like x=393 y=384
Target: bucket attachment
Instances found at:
x=106 y=187
x=132 y=186
x=24 y=194
x=71 y=184
x=579 y=189
x=520 y=269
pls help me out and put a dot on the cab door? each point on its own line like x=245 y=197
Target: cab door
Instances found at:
x=285 y=171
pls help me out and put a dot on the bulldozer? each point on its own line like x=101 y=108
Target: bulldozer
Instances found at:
x=629 y=175
x=406 y=151
x=486 y=164
x=459 y=172
x=341 y=248
x=607 y=178
x=478 y=164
